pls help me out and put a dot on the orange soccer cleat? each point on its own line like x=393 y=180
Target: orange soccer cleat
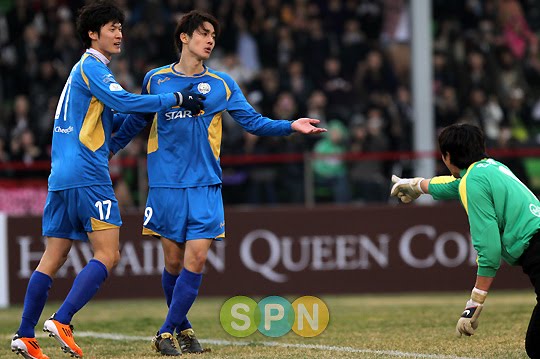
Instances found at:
x=27 y=347
x=63 y=333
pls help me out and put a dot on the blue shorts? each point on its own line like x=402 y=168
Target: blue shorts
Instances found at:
x=182 y=214
x=71 y=213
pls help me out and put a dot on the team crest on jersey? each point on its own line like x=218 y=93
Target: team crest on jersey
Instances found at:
x=204 y=88
x=535 y=210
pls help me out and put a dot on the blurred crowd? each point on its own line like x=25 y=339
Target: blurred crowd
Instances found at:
x=345 y=62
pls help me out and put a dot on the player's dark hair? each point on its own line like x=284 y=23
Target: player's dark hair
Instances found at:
x=94 y=16
x=465 y=143
x=191 y=22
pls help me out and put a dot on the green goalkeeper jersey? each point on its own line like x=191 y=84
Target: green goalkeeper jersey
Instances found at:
x=503 y=213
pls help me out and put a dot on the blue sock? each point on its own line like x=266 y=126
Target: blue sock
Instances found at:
x=184 y=294
x=168 y=281
x=34 y=301
x=84 y=287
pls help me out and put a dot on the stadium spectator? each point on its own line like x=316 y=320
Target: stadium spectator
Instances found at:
x=329 y=168
x=368 y=177
x=518 y=116
x=446 y=107
x=261 y=185
x=516 y=32
x=20 y=118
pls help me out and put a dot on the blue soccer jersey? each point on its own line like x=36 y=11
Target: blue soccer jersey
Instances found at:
x=84 y=121
x=184 y=150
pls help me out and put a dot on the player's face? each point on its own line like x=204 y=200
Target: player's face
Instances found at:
x=108 y=40
x=202 y=42
x=453 y=169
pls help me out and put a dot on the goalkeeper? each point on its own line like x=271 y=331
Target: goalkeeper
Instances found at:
x=504 y=218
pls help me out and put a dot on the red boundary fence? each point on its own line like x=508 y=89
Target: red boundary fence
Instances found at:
x=231 y=160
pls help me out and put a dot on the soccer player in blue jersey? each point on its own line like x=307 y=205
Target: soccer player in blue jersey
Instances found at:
x=81 y=204
x=185 y=206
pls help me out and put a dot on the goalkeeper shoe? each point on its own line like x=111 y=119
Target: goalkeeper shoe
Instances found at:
x=63 y=333
x=166 y=344
x=189 y=342
x=27 y=347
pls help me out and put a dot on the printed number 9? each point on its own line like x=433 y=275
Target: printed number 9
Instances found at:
x=147 y=215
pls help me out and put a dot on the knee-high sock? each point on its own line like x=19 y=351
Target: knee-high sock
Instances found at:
x=184 y=294
x=168 y=282
x=34 y=301
x=84 y=287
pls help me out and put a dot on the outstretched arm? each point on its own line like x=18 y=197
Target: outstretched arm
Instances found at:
x=259 y=125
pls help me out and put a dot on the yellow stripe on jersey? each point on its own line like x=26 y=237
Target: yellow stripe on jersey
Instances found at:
x=85 y=56
x=149 y=232
x=215 y=131
x=442 y=179
x=153 y=136
x=98 y=225
x=162 y=71
x=463 y=189
x=227 y=90
x=92 y=134
x=222 y=235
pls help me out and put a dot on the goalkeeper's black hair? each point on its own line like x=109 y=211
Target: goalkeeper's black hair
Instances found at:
x=191 y=22
x=465 y=143
x=94 y=16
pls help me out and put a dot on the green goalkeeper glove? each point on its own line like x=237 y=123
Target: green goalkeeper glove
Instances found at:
x=468 y=323
x=406 y=189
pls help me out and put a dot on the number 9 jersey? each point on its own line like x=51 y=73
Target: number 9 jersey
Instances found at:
x=184 y=150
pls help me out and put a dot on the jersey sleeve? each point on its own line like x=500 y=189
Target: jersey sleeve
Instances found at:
x=118 y=120
x=444 y=187
x=485 y=234
x=104 y=87
x=252 y=121
x=131 y=124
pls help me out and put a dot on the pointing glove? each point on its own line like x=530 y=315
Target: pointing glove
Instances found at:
x=468 y=322
x=190 y=100
x=406 y=189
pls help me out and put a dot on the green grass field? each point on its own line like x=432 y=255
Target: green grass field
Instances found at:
x=365 y=326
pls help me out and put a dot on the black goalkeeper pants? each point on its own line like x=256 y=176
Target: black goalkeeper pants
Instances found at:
x=530 y=262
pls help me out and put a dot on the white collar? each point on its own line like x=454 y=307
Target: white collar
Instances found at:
x=99 y=55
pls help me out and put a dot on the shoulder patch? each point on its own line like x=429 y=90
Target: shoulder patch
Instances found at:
x=108 y=79
x=115 y=87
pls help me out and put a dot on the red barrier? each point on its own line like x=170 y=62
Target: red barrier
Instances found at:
x=232 y=160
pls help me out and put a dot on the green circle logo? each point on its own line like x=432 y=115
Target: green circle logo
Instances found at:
x=240 y=316
x=277 y=316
